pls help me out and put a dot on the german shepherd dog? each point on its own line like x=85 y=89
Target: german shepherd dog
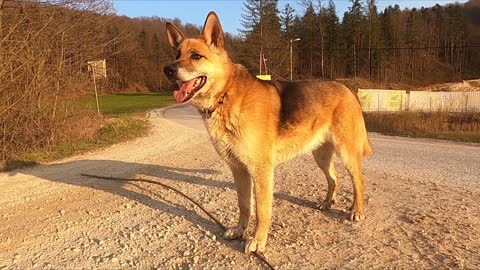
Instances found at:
x=255 y=125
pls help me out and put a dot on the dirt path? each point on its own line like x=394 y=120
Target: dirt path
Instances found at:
x=422 y=209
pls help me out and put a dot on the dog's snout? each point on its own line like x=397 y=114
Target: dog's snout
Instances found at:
x=170 y=70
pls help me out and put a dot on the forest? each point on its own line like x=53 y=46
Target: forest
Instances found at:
x=412 y=47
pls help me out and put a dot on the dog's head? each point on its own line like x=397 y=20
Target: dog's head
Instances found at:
x=201 y=64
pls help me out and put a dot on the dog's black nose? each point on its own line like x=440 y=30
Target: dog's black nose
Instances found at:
x=170 y=70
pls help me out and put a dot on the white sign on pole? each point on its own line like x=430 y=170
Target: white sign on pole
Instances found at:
x=99 y=71
x=98 y=68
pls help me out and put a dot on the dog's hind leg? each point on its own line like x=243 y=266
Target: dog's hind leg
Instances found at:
x=324 y=158
x=244 y=193
x=352 y=159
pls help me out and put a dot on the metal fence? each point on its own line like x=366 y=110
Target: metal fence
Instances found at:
x=378 y=100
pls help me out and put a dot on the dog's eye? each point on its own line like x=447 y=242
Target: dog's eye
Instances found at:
x=196 y=56
x=177 y=56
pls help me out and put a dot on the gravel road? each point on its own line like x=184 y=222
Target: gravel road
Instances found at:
x=422 y=208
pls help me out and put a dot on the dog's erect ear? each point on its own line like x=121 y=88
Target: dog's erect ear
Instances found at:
x=174 y=35
x=212 y=31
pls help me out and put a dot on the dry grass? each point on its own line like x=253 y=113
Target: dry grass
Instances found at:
x=440 y=125
x=113 y=130
x=355 y=84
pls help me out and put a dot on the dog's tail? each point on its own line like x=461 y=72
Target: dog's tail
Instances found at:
x=367 y=148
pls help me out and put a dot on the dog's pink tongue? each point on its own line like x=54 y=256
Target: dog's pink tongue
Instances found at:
x=182 y=94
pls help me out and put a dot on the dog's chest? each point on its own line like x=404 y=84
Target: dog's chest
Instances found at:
x=224 y=136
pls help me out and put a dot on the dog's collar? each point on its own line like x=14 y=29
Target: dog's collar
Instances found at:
x=207 y=113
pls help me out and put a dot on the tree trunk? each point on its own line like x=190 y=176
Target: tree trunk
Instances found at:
x=354 y=60
x=1 y=29
x=370 y=47
x=323 y=70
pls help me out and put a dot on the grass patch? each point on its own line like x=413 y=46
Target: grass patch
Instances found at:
x=128 y=103
x=114 y=131
x=464 y=127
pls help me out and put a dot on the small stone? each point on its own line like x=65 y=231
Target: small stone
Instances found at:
x=186 y=253
x=114 y=260
x=62 y=212
x=17 y=256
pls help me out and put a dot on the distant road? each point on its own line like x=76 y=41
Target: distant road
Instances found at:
x=438 y=160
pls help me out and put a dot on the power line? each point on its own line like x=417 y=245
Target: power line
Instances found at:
x=385 y=48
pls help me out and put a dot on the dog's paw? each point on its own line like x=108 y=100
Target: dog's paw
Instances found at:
x=253 y=245
x=356 y=215
x=326 y=205
x=233 y=233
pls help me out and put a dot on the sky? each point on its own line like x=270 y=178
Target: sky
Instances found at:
x=230 y=11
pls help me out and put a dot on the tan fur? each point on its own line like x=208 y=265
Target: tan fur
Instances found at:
x=255 y=125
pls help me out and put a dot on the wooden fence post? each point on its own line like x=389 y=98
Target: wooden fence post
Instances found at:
x=466 y=102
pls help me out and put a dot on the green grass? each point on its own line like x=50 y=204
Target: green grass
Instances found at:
x=128 y=103
x=116 y=130
x=119 y=125
x=463 y=127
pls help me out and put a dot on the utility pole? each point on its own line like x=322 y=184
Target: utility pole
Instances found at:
x=291 y=57
x=1 y=29
x=1 y=12
x=261 y=38
x=1 y=19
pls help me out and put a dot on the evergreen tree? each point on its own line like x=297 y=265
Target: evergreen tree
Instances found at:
x=287 y=17
x=374 y=35
x=309 y=41
x=353 y=24
x=264 y=47
x=331 y=35
x=390 y=20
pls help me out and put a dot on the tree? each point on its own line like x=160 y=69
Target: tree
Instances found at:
x=287 y=17
x=331 y=35
x=352 y=24
x=374 y=30
x=309 y=40
x=390 y=35
x=264 y=45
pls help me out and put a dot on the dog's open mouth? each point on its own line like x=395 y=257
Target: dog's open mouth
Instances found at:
x=189 y=88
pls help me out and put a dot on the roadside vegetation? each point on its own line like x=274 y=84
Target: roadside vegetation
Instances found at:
x=464 y=127
x=113 y=131
x=121 y=120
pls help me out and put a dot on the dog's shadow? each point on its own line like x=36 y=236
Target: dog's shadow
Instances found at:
x=70 y=173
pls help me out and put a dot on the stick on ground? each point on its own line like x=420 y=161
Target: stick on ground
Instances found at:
x=259 y=256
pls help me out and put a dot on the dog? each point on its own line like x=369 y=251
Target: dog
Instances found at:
x=255 y=125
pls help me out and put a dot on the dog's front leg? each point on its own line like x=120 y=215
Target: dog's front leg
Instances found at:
x=244 y=193
x=262 y=177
